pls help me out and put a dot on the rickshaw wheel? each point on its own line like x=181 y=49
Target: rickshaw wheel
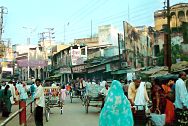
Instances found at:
x=87 y=105
x=61 y=106
x=47 y=114
x=71 y=96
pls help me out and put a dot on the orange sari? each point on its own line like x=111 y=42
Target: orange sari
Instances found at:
x=169 y=110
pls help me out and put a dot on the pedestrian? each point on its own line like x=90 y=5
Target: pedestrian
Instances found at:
x=13 y=94
x=169 y=110
x=181 y=101
x=1 y=96
x=117 y=108
x=133 y=89
x=63 y=94
x=40 y=103
x=141 y=97
x=33 y=90
x=6 y=101
x=23 y=92
x=104 y=93
x=3 y=85
x=125 y=88
x=158 y=97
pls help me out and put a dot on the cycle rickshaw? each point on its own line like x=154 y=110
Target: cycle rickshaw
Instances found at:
x=76 y=93
x=52 y=99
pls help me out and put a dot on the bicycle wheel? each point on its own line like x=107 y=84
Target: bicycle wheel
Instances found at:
x=87 y=105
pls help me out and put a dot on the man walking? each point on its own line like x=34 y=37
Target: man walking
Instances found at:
x=181 y=100
x=40 y=103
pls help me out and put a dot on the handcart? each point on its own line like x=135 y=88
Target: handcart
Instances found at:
x=92 y=97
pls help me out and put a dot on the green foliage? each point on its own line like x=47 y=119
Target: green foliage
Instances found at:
x=160 y=58
x=176 y=54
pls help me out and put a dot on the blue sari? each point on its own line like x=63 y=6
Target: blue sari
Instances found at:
x=117 y=109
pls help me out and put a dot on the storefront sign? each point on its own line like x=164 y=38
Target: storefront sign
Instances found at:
x=65 y=70
x=79 y=69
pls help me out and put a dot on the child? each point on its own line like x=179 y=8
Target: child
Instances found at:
x=62 y=95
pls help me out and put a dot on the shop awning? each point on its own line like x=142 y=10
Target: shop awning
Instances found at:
x=56 y=75
x=122 y=71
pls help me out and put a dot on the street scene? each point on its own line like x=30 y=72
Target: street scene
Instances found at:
x=94 y=63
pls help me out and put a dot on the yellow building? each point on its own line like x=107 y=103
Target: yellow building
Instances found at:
x=179 y=14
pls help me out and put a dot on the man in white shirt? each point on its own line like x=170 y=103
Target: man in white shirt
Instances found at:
x=103 y=83
x=40 y=103
x=181 y=92
x=104 y=92
x=181 y=100
x=12 y=89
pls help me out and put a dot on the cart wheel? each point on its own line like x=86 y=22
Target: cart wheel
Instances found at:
x=47 y=114
x=71 y=96
x=61 y=106
x=83 y=101
x=87 y=105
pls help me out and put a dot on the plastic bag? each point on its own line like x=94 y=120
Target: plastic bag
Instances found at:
x=159 y=119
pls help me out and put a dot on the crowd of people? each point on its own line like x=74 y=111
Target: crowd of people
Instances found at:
x=169 y=97
x=10 y=93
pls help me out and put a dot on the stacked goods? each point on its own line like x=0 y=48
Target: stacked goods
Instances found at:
x=93 y=90
x=179 y=66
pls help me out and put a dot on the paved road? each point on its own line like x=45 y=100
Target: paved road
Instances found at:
x=73 y=115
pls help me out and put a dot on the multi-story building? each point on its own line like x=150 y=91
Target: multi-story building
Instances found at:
x=30 y=61
x=179 y=14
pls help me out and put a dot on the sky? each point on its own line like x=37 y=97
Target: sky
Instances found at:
x=72 y=19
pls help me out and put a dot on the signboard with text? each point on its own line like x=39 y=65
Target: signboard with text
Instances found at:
x=75 y=55
x=79 y=69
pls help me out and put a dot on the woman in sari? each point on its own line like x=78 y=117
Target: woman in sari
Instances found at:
x=117 y=109
x=7 y=103
x=158 y=97
x=169 y=110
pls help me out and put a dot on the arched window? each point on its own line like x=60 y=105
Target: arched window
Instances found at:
x=173 y=19
x=181 y=16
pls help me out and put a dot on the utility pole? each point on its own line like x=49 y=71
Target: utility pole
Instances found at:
x=50 y=33
x=4 y=10
x=147 y=39
x=125 y=41
x=119 y=50
x=42 y=38
x=91 y=29
x=168 y=37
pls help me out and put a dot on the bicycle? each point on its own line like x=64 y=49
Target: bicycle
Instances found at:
x=141 y=118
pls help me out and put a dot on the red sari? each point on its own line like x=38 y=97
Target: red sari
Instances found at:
x=156 y=89
x=169 y=109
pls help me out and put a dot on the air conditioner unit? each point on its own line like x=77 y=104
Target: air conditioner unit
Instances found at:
x=124 y=64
